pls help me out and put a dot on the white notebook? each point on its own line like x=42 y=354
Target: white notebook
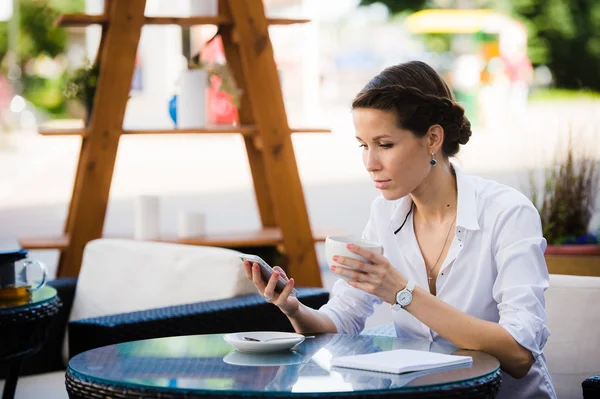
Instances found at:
x=400 y=361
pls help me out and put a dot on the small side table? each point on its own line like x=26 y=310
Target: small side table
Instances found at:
x=23 y=331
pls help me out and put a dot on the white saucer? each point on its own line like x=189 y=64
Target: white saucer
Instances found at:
x=288 y=341
x=238 y=358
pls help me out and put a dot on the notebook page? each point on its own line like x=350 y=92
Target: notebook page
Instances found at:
x=400 y=361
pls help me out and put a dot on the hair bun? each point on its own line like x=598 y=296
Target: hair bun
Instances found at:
x=464 y=126
x=457 y=127
x=464 y=133
x=457 y=112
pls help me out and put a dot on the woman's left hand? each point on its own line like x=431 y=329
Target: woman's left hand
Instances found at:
x=378 y=277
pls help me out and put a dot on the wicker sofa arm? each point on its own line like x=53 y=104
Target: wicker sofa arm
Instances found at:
x=242 y=313
x=591 y=387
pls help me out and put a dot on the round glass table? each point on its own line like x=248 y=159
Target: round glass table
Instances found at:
x=23 y=330
x=203 y=366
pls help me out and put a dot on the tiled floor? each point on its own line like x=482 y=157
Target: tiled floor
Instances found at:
x=42 y=386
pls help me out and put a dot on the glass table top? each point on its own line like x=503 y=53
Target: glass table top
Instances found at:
x=38 y=297
x=202 y=363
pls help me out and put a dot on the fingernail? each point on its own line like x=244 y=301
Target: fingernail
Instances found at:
x=336 y=258
x=332 y=268
x=276 y=275
x=350 y=246
x=255 y=268
x=291 y=281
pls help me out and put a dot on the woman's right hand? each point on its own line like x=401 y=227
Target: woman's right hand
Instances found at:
x=284 y=301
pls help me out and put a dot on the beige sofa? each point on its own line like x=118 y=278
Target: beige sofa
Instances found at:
x=573 y=349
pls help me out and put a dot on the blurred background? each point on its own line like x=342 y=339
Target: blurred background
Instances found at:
x=527 y=72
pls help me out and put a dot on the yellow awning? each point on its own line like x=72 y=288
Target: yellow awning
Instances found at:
x=456 y=21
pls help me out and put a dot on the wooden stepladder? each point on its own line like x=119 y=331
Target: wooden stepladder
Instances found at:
x=243 y=27
x=118 y=47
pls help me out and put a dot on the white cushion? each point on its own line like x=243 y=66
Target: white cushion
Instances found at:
x=573 y=349
x=119 y=276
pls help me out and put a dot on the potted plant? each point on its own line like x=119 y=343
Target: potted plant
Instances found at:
x=81 y=85
x=219 y=75
x=566 y=204
x=200 y=86
x=223 y=96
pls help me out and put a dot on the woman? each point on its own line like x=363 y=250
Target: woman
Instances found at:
x=464 y=256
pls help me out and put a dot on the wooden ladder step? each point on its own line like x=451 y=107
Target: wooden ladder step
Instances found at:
x=237 y=239
x=245 y=130
x=79 y=20
x=60 y=242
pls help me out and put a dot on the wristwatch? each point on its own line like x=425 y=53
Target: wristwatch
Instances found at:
x=404 y=297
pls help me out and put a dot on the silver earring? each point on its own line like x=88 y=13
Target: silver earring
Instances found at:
x=433 y=162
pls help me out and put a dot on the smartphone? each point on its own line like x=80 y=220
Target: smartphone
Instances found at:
x=266 y=271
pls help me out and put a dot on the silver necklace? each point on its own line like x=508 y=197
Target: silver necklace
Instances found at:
x=429 y=273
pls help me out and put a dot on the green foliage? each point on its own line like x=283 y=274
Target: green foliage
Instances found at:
x=401 y=6
x=566 y=202
x=438 y=42
x=37 y=35
x=45 y=93
x=563 y=95
x=398 y=6
x=37 y=32
x=68 y=6
x=82 y=82
x=563 y=34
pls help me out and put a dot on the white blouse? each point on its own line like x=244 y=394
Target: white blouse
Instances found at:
x=494 y=270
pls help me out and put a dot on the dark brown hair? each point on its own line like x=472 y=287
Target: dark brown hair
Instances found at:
x=420 y=98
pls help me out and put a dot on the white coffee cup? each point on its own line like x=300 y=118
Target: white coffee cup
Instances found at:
x=146 y=217
x=191 y=224
x=336 y=245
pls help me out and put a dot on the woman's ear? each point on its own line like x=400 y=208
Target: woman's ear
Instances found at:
x=435 y=136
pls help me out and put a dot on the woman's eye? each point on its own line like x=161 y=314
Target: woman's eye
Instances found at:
x=384 y=145
x=362 y=146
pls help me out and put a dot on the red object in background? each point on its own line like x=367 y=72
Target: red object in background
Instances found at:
x=518 y=69
x=6 y=94
x=219 y=106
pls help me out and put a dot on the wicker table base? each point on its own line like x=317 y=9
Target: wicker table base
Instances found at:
x=80 y=387
x=23 y=331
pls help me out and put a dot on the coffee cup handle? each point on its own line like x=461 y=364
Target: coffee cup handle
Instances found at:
x=44 y=270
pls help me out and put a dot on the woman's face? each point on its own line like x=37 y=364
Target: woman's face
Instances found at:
x=396 y=159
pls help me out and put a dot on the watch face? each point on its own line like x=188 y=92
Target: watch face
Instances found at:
x=404 y=298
